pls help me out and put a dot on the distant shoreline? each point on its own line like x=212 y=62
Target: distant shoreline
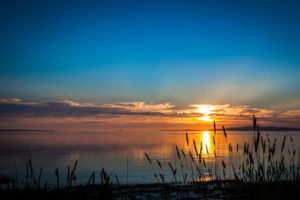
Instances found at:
x=246 y=128
x=24 y=130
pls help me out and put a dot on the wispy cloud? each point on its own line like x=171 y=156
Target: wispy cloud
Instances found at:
x=140 y=106
x=67 y=108
x=291 y=114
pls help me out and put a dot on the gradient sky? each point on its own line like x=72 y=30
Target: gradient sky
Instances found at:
x=237 y=53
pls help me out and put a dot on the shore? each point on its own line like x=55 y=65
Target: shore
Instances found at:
x=205 y=190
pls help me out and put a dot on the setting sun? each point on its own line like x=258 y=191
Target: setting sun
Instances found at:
x=206 y=110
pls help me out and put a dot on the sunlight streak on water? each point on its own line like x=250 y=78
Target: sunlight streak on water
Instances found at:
x=205 y=141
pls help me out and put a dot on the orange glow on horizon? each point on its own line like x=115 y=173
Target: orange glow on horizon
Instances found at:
x=205 y=118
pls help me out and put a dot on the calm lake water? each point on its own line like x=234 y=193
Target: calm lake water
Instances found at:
x=112 y=151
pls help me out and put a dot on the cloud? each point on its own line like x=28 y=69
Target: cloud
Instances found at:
x=67 y=108
x=125 y=114
x=10 y=100
x=226 y=110
x=291 y=114
x=140 y=106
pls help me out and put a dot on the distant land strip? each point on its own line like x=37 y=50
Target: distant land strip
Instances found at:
x=24 y=130
x=245 y=128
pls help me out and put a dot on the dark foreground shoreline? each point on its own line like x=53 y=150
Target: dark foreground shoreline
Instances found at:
x=206 y=190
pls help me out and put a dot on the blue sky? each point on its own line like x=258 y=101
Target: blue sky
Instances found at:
x=183 y=52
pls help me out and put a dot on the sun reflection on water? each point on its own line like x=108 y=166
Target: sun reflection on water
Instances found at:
x=205 y=141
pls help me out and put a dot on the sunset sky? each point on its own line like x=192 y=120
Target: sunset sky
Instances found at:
x=148 y=65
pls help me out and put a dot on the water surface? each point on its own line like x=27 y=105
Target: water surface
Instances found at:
x=113 y=151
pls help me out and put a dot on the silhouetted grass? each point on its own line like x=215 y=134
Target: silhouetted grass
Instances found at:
x=261 y=161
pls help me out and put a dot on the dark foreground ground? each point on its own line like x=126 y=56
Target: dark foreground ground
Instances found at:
x=212 y=190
